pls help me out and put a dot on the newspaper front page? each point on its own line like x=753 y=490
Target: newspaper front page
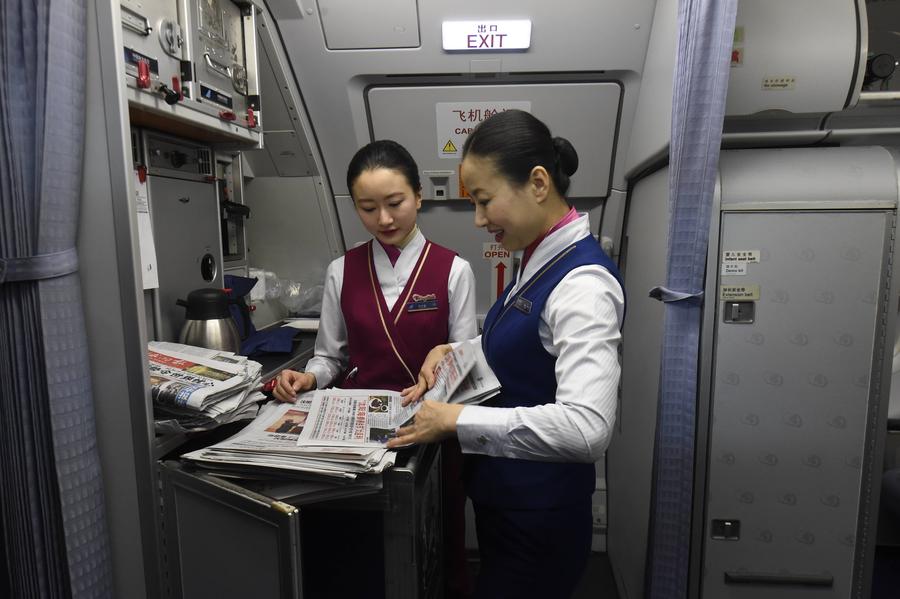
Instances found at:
x=271 y=441
x=193 y=381
x=354 y=417
x=370 y=417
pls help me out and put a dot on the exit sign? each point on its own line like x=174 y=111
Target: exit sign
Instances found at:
x=486 y=36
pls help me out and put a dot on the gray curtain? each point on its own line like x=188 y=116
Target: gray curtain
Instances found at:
x=52 y=516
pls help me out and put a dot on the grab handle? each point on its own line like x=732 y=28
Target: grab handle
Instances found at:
x=810 y=580
x=217 y=66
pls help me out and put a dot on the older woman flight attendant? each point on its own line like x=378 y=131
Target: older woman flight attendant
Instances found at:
x=552 y=340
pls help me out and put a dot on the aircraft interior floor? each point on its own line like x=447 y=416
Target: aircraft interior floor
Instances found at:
x=597 y=583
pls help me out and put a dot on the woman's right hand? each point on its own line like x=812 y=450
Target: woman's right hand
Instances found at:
x=291 y=382
x=426 y=374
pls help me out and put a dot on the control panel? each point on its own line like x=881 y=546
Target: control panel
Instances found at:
x=153 y=48
x=178 y=158
x=193 y=62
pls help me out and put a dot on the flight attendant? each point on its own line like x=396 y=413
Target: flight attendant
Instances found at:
x=390 y=300
x=386 y=303
x=552 y=340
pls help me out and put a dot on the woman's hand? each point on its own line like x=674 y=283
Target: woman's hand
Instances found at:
x=426 y=374
x=291 y=382
x=435 y=421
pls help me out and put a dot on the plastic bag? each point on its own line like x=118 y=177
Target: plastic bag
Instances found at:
x=290 y=294
x=309 y=301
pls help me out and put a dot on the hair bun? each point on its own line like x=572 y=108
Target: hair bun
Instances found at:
x=566 y=154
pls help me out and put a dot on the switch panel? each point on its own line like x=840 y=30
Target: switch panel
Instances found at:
x=739 y=312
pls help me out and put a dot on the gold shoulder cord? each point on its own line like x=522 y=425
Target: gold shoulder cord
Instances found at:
x=381 y=314
x=411 y=284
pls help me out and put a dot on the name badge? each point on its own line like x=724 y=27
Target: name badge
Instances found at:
x=421 y=303
x=522 y=304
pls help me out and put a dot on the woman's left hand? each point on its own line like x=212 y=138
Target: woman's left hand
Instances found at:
x=426 y=374
x=435 y=421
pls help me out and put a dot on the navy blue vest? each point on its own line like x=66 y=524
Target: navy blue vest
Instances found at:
x=512 y=346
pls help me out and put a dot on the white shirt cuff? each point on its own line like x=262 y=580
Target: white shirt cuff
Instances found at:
x=323 y=377
x=481 y=429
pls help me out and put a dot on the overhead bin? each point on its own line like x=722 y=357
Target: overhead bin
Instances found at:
x=799 y=56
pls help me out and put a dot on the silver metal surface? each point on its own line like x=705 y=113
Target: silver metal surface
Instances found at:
x=217 y=333
x=188 y=245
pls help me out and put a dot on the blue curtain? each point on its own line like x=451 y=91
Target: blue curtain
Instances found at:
x=52 y=515
x=705 y=36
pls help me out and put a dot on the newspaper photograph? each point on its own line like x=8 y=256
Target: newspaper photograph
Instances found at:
x=270 y=441
x=355 y=417
x=167 y=347
x=191 y=381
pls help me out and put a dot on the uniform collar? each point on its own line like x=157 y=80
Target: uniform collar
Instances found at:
x=408 y=253
x=551 y=245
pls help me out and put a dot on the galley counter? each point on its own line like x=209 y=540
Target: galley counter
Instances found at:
x=236 y=537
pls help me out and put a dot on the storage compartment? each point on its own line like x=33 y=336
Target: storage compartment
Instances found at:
x=242 y=538
x=353 y=25
x=186 y=230
x=800 y=56
x=433 y=122
x=791 y=407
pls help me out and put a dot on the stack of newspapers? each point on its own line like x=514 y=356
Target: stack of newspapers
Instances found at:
x=342 y=433
x=195 y=388
x=270 y=444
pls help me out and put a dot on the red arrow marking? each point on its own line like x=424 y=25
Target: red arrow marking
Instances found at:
x=501 y=275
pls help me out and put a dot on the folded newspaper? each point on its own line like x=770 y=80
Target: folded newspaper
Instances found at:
x=195 y=388
x=462 y=376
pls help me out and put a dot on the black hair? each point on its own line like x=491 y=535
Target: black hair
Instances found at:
x=516 y=141
x=383 y=153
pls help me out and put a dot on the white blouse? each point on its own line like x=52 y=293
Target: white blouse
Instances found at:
x=580 y=326
x=331 y=357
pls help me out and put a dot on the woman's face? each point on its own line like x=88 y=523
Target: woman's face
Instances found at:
x=386 y=204
x=511 y=214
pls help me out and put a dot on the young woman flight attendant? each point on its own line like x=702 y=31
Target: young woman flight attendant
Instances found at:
x=552 y=340
x=387 y=303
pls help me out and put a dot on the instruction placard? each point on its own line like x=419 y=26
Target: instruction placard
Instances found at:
x=734 y=262
x=738 y=269
x=455 y=120
x=145 y=233
x=740 y=256
x=501 y=262
x=739 y=292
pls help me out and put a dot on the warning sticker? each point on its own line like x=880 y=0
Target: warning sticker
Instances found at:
x=455 y=120
x=463 y=192
x=739 y=292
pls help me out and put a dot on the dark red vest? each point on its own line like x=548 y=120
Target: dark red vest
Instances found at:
x=387 y=347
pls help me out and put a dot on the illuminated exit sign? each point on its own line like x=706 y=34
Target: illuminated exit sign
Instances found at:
x=486 y=36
